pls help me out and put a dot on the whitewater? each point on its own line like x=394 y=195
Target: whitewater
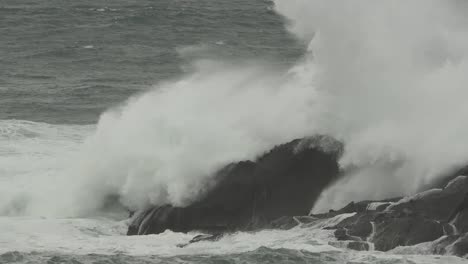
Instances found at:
x=49 y=149
x=386 y=78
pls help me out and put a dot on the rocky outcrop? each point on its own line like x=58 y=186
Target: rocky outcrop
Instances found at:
x=437 y=216
x=278 y=189
x=203 y=237
x=248 y=195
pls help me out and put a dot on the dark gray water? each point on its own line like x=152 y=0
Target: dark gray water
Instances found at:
x=67 y=61
x=64 y=62
x=261 y=255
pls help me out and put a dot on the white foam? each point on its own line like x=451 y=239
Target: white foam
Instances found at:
x=388 y=71
x=101 y=236
x=32 y=157
x=163 y=146
x=373 y=206
x=331 y=222
x=378 y=78
x=370 y=239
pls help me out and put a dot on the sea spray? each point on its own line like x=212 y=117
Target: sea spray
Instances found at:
x=164 y=146
x=386 y=78
x=391 y=84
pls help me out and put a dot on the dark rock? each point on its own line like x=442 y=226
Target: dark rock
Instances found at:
x=437 y=204
x=354 y=245
x=360 y=207
x=248 y=195
x=460 y=246
x=382 y=207
x=306 y=220
x=405 y=231
x=461 y=221
x=203 y=237
x=453 y=244
x=409 y=221
x=199 y=238
x=358 y=245
x=444 y=179
x=279 y=188
x=449 y=229
x=11 y=257
x=341 y=234
x=441 y=245
x=285 y=222
x=358 y=225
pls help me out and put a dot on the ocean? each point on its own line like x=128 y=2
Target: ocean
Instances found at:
x=66 y=62
x=144 y=99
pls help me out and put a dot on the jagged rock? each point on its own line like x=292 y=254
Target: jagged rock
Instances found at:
x=360 y=207
x=442 y=244
x=358 y=245
x=354 y=245
x=248 y=195
x=411 y=220
x=203 y=237
x=460 y=246
x=285 y=222
x=443 y=180
x=358 y=225
x=405 y=231
x=283 y=184
x=436 y=204
x=461 y=221
x=306 y=220
x=342 y=234
x=11 y=257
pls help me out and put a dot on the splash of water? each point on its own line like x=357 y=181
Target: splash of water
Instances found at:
x=392 y=82
x=387 y=78
x=165 y=145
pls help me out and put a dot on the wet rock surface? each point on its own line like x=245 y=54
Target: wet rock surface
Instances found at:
x=437 y=216
x=278 y=189
x=249 y=195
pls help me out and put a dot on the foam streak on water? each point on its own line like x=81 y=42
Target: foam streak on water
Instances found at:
x=74 y=237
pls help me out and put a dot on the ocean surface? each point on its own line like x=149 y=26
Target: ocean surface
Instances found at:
x=65 y=63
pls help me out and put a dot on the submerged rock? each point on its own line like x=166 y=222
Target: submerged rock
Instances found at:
x=248 y=195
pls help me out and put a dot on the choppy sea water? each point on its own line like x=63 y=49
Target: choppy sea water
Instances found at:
x=68 y=61
x=104 y=241
x=63 y=63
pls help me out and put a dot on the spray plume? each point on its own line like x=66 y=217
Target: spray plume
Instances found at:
x=388 y=78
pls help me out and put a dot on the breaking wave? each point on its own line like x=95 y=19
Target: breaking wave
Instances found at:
x=386 y=78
